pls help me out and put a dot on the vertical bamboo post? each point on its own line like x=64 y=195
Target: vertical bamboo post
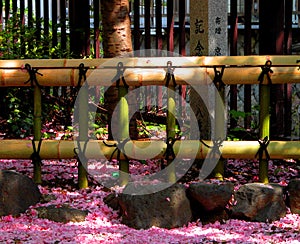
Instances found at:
x=264 y=130
x=83 y=134
x=123 y=129
x=219 y=125
x=171 y=126
x=171 y=119
x=37 y=126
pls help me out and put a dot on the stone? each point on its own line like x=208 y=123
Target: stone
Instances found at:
x=210 y=196
x=63 y=214
x=209 y=200
x=208 y=31
x=17 y=193
x=259 y=202
x=294 y=195
x=166 y=208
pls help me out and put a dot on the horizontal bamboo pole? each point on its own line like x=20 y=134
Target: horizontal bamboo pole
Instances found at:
x=60 y=149
x=151 y=70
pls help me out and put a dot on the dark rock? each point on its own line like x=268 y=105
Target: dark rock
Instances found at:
x=47 y=198
x=112 y=201
x=17 y=193
x=209 y=200
x=259 y=202
x=167 y=207
x=63 y=214
x=294 y=195
x=212 y=197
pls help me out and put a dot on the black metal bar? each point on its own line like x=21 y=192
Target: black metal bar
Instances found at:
x=97 y=28
x=22 y=21
x=170 y=25
x=248 y=51
x=54 y=24
x=7 y=9
x=182 y=10
x=38 y=20
x=63 y=25
x=288 y=51
x=46 y=41
x=233 y=52
x=158 y=27
x=147 y=25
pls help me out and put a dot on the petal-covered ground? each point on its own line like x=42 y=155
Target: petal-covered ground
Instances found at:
x=103 y=225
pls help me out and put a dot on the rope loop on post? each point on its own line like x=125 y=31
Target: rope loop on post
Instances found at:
x=218 y=77
x=263 y=143
x=120 y=75
x=170 y=75
x=170 y=150
x=32 y=75
x=82 y=74
x=266 y=70
x=120 y=148
x=35 y=156
x=216 y=145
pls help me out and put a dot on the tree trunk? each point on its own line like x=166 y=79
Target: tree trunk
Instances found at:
x=116 y=42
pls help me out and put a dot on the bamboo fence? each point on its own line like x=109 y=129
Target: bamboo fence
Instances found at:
x=143 y=72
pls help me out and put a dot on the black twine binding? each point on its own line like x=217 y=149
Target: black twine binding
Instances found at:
x=120 y=148
x=266 y=70
x=170 y=150
x=170 y=75
x=120 y=76
x=218 y=77
x=32 y=75
x=35 y=156
x=82 y=74
x=216 y=145
x=263 y=143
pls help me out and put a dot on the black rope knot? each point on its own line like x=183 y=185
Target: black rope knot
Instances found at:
x=82 y=74
x=120 y=76
x=170 y=75
x=170 y=150
x=120 y=148
x=218 y=77
x=266 y=70
x=35 y=156
x=215 y=147
x=32 y=75
x=263 y=143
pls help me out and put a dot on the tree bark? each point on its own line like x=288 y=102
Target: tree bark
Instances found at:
x=116 y=43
